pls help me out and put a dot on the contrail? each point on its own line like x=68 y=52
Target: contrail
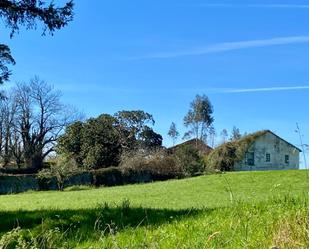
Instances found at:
x=225 y=5
x=225 y=47
x=265 y=89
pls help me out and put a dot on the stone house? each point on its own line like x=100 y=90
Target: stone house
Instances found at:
x=268 y=151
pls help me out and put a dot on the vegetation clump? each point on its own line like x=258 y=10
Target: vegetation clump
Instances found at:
x=99 y=142
x=225 y=156
x=60 y=170
x=157 y=164
x=190 y=160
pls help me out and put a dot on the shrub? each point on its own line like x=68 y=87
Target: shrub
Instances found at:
x=189 y=158
x=155 y=164
x=111 y=176
x=222 y=158
x=61 y=170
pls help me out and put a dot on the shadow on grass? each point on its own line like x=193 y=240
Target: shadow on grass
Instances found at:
x=87 y=222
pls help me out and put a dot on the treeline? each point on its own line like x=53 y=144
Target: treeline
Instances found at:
x=36 y=127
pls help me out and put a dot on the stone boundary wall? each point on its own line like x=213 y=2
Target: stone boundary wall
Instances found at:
x=112 y=176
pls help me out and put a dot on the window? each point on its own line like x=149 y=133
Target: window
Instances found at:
x=250 y=158
x=267 y=157
x=287 y=159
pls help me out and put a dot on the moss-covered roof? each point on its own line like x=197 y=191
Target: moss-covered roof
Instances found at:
x=197 y=143
x=226 y=155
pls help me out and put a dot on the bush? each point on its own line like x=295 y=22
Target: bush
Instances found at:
x=61 y=170
x=46 y=181
x=155 y=164
x=189 y=158
x=222 y=158
x=111 y=176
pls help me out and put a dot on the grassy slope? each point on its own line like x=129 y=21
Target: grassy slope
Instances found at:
x=219 y=211
x=205 y=191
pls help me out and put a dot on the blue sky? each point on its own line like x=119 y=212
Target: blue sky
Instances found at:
x=250 y=57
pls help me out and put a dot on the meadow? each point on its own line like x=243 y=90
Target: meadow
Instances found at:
x=230 y=210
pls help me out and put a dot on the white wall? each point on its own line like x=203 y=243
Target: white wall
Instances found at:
x=277 y=148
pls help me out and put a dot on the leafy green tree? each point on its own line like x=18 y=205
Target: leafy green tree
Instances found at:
x=150 y=139
x=71 y=142
x=101 y=142
x=27 y=13
x=95 y=143
x=134 y=123
x=199 y=118
x=5 y=59
x=173 y=133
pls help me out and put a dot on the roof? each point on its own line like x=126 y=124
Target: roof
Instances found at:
x=255 y=135
x=201 y=146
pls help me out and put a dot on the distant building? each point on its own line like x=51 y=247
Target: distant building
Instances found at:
x=203 y=148
x=267 y=151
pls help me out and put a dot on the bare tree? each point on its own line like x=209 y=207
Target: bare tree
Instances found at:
x=7 y=108
x=41 y=117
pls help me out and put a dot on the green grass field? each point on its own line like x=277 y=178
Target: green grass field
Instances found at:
x=233 y=210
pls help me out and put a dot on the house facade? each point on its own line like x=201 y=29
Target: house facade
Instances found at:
x=269 y=152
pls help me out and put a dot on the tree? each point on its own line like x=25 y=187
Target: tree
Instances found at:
x=70 y=143
x=199 y=118
x=224 y=135
x=133 y=123
x=62 y=168
x=173 y=133
x=10 y=143
x=40 y=118
x=5 y=59
x=235 y=134
x=150 y=139
x=27 y=13
x=95 y=143
x=101 y=142
x=212 y=136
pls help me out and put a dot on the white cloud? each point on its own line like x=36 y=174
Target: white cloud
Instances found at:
x=226 y=46
x=265 y=89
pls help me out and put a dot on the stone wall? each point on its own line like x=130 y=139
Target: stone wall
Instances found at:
x=104 y=177
x=15 y=184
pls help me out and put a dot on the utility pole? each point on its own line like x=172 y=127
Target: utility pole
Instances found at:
x=301 y=144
